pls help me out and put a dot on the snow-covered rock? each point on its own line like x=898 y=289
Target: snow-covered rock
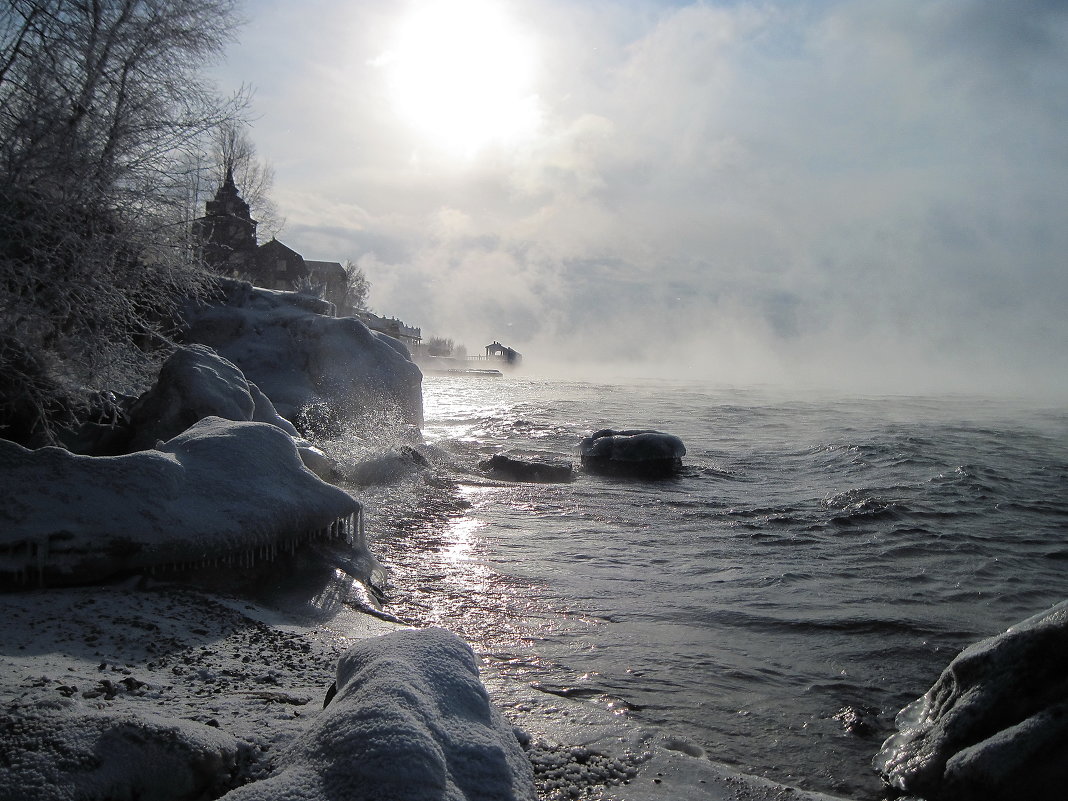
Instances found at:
x=386 y=468
x=510 y=468
x=317 y=370
x=194 y=383
x=411 y=721
x=220 y=491
x=641 y=453
x=67 y=750
x=995 y=724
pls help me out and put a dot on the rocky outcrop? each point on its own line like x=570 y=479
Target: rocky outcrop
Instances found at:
x=219 y=492
x=318 y=371
x=511 y=469
x=410 y=721
x=995 y=724
x=637 y=453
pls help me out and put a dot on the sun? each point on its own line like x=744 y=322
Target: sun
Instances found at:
x=462 y=74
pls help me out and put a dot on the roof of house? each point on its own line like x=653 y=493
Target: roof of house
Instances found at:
x=330 y=270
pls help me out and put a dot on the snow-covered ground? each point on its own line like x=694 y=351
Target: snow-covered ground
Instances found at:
x=157 y=690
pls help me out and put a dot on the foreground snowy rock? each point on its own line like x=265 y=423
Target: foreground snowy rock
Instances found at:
x=994 y=725
x=640 y=453
x=219 y=492
x=317 y=370
x=410 y=722
x=67 y=750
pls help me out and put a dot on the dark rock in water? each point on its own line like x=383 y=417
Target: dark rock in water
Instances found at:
x=511 y=469
x=388 y=467
x=995 y=724
x=640 y=453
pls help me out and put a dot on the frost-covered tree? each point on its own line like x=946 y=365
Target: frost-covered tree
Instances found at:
x=101 y=102
x=358 y=287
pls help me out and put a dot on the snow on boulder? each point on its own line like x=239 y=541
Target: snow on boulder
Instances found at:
x=317 y=370
x=222 y=491
x=411 y=721
x=995 y=724
x=641 y=453
x=194 y=383
x=68 y=751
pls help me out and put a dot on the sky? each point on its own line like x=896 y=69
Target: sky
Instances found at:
x=861 y=193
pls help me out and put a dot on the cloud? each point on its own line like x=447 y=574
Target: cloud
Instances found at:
x=805 y=188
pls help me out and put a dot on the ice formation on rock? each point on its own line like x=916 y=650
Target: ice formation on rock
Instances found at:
x=305 y=361
x=640 y=453
x=222 y=491
x=995 y=724
x=68 y=751
x=411 y=721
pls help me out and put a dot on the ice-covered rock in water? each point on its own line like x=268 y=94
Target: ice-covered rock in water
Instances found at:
x=386 y=468
x=317 y=370
x=511 y=469
x=220 y=491
x=411 y=721
x=995 y=724
x=68 y=751
x=641 y=453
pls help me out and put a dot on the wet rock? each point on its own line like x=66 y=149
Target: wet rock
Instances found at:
x=387 y=468
x=995 y=724
x=511 y=469
x=638 y=453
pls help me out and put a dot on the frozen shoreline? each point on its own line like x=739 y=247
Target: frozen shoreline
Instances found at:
x=259 y=672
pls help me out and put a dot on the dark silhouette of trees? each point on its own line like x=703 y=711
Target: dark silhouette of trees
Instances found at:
x=101 y=103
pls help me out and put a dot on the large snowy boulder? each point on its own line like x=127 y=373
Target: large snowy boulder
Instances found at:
x=316 y=369
x=995 y=724
x=196 y=382
x=411 y=721
x=69 y=751
x=220 y=491
x=641 y=453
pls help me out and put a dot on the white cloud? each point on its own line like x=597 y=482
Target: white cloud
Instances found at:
x=825 y=182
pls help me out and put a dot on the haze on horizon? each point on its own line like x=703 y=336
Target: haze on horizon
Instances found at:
x=843 y=192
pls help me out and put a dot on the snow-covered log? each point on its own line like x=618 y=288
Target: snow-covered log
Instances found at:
x=411 y=721
x=305 y=361
x=995 y=724
x=221 y=492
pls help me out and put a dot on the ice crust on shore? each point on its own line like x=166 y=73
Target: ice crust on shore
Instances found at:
x=220 y=491
x=995 y=724
x=411 y=721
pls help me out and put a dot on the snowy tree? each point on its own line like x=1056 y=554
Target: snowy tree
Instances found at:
x=101 y=102
x=358 y=287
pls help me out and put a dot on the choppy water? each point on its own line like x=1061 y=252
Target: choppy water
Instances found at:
x=813 y=569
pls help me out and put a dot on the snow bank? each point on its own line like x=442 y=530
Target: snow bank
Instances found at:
x=221 y=491
x=66 y=750
x=314 y=368
x=410 y=722
x=994 y=725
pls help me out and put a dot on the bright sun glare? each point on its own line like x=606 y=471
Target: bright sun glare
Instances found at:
x=462 y=74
